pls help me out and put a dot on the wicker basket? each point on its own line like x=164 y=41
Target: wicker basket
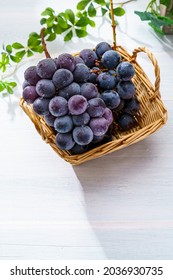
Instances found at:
x=152 y=115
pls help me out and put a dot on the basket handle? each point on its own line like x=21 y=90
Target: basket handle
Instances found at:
x=156 y=68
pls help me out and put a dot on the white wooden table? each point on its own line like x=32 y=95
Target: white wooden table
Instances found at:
x=117 y=207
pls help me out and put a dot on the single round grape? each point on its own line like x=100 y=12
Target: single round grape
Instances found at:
x=62 y=78
x=120 y=106
x=70 y=90
x=126 y=89
x=58 y=106
x=49 y=119
x=101 y=48
x=30 y=94
x=81 y=73
x=63 y=124
x=82 y=135
x=96 y=107
x=125 y=71
x=132 y=106
x=111 y=59
x=46 y=68
x=108 y=116
x=99 y=126
x=89 y=90
x=66 y=61
x=89 y=57
x=41 y=106
x=94 y=72
x=126 y=121
x=78 y=149
x=77 y=104
x=106 y=81
x=82 y=119
x=64 y=141
x=111 y=99
x=25 y=84
x=31 y=75
x=78 y=60
x=45 y=88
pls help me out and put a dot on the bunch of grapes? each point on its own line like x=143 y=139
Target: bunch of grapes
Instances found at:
x=77 y=96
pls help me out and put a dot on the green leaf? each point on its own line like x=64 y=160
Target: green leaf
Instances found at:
x=3 y=67
x=12 y=84
x=38 y=49
x=9 y=89
x=62 y=22
x=4 y=58
x=68 y=36
x=20 y=54
x=92 y=23
x=166 y=20
x=2 y=87
x=51 y=37
x=156 y=28
x=91 y=10
x=82 y=5
x=15 y=58
x=57 y=29
x=119 y=11
x=81 y=33
x=17 y=46
x=166 y=3
x=32 y=41
x=43 y=21
x=35 y=35
x=48 y=12
x=70 y=15
x=100 y=2
x=104 y=11
x=9 y=49
x=50 y=21
x=83 y=21
x=29 y=53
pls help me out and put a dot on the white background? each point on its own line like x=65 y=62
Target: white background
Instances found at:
x=116 y=207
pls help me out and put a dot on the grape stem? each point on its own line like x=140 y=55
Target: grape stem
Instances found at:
x=113 y=24
x=44 y=43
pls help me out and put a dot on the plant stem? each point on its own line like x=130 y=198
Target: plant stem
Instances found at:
x=113 y=24
x=44 y=43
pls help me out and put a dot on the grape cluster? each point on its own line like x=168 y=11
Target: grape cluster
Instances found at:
x=77 y=96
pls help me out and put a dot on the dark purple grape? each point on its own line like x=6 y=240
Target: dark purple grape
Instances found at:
x=30 y=94
x=94 y=72
x=101 y=48
x=96 y=107
x=78 y=149
x=77 y=104
x=126 y=89
x=120 y=106
x=99 y=126
x=126 y=121
x=31 y=75
x=89 y=57
x=81 y=73
x=112 y=72
x=82 y=119
x=106 y=81
x=89 y=90
x=82 y=135
x=132 y=106
x=62 y=78
x=78 y=60
x=111 y=59
x=46 y=68
x=66 y=61
x=49 y=119
x=98 y=139
x=63 y=124
x=64 y=141
x=41 y=106
x=45 y=88
x=70 y=90
x=108 y=116
x=125 y=71
x=58 y=106
x=25 y=84
x=111 y=99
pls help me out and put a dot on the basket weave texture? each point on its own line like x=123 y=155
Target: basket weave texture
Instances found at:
x=152 y=115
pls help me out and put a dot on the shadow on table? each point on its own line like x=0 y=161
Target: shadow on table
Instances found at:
x=109 y=184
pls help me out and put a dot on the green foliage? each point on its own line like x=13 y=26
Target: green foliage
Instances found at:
x=152 y=15
x=7 y=86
